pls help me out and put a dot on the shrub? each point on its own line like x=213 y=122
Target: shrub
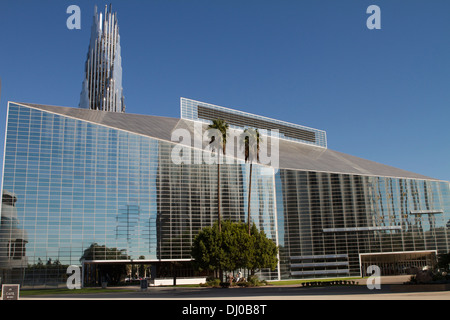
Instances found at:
x=255 y=282
x=211 y=282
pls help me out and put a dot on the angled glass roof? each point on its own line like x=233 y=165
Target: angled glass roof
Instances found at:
x=292 y=155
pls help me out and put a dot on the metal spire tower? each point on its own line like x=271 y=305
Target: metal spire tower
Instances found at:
x=102 y=86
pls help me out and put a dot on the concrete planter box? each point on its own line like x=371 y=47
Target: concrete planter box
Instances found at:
x=420 y=287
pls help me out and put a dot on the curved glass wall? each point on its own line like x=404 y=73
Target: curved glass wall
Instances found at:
x=73 y=189
x=328 y=220
x=80 y=186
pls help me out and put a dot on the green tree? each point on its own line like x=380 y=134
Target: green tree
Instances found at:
x=207 y=249
x=220 y=142
x=264 y=252
x=233 y=248
x=237 y=246
x=444 y=261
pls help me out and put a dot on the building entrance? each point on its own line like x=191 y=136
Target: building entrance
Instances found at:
x=398 y=263
x=115 y=272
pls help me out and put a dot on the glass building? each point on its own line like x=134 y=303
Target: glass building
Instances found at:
x=91 y=188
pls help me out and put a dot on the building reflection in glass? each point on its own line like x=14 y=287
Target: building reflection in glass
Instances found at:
x=13 y=241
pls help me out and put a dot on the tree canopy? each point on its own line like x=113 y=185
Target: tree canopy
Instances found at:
x=444 y=261
x=111 y=273
x=98 y=252
x=233 y=248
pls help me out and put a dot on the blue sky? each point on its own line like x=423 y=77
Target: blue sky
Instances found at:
x=382 y=95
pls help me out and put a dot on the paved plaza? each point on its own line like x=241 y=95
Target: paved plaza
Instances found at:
x=272 y=292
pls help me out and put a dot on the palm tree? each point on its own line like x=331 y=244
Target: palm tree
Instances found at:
x=251 y=140
x=222 y=126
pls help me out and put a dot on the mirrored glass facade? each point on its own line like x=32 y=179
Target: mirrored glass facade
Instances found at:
x=76 y=184
x=329 y=220
x=70 y=184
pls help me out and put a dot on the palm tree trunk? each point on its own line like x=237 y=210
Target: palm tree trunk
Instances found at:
x=249 y=196
x=218 y=194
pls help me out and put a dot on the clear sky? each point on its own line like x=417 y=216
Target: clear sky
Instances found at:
x=382 y=95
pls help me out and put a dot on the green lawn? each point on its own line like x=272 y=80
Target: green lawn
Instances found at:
x=36 y=292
